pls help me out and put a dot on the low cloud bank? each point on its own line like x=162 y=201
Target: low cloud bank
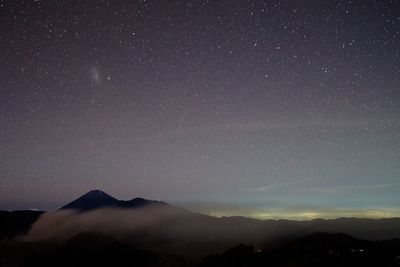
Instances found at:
x=64 y=224
x=159 y=228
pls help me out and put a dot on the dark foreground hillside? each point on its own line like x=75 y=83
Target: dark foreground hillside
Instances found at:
x=317 y=249
x=14 y=223
x=82 y=250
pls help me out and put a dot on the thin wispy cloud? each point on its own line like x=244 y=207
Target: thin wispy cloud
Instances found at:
x=312 y=124
x=308 y=185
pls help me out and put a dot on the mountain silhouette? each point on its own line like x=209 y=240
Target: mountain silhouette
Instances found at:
x=95 y=199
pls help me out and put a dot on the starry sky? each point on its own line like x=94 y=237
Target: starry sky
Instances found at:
x=270 y=109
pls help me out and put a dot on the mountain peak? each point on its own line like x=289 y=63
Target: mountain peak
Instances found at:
x=99 y=199
x=96 y=193
x=92 y=200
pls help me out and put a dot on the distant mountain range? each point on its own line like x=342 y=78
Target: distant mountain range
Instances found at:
x=98 y=199
x=18 y=222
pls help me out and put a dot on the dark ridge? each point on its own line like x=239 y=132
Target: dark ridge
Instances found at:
x=318 y=236
x=316 y=249
x=89 y=249
x=139 y=202
x=14 y=223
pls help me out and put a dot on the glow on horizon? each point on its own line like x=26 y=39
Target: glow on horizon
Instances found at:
x=309 y=214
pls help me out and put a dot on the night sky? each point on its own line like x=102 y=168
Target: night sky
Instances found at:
x=271 y=109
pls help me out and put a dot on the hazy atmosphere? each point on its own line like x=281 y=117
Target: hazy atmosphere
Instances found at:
x=268 y=109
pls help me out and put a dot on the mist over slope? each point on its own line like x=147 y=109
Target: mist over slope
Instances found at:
x=98 y=229
x=162 y=227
